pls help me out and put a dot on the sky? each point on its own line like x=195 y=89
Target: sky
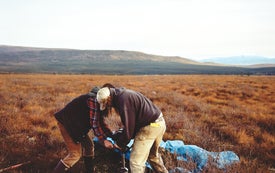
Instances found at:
x=194 y=29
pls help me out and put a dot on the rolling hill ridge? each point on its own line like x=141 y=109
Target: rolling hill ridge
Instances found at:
x=15 y=59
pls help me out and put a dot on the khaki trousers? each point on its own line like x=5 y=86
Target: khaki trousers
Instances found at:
x=146 y=146
x=76 y=150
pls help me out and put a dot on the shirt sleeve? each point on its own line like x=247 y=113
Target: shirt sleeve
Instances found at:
x=101 y=130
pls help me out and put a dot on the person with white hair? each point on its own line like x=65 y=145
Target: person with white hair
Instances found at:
x=143 y=121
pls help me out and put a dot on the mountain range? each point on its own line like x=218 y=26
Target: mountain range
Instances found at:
x=15 y=59
x=241 y=60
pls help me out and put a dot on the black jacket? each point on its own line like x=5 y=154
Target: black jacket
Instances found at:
x=75 y=117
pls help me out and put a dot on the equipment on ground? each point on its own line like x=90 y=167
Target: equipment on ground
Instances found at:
x=123 y=169
x=14 y=166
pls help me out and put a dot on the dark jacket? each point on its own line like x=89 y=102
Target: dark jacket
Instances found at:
x=136 y=111
x=75 y=117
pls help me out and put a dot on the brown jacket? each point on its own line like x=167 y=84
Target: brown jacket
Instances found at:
x=136 y=111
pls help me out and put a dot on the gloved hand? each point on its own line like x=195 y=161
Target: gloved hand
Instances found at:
x=116 y=135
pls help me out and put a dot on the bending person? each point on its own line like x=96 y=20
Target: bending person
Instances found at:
x=143 y=122
x=74 y=121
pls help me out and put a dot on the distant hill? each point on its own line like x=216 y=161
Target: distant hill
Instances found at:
x=241 y=60
x=14 y=59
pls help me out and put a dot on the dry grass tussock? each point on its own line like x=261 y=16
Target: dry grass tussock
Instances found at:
x=214 y=112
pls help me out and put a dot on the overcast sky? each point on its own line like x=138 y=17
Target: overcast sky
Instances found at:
x=194 y=29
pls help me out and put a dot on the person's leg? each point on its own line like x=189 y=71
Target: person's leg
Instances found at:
x=141 y=148
x=88 y=154
x=147 y=141
x=154 y=157
x=74 y=149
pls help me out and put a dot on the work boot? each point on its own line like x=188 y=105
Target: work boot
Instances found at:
x=60 y=167
x=89 y=164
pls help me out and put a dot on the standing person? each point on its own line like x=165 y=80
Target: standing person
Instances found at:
x=143 y=122
x=74 y=121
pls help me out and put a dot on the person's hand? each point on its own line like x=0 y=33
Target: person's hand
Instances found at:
x=117 y=147
x=108 y=144
x=122 y=149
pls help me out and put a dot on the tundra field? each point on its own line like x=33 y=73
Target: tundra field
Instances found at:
x=214 y=112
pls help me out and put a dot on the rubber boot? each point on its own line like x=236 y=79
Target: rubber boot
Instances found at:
x=60 y=167
x=89 y=164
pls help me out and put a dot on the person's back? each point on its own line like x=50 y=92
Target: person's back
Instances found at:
x=75 y=117
x=134 y=107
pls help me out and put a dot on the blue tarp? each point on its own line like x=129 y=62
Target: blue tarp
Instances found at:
x=192 y=153
x=199 y=155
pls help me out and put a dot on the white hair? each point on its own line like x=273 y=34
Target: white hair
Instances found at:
x=103 y=93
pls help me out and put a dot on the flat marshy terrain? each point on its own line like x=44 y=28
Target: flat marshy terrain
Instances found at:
x=214 y=112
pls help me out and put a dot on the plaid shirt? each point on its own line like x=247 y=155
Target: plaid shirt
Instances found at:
x=101 y=129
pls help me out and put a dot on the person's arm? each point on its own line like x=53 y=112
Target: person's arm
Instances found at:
x=128 y=119
x=96 y=126
x=100 y=134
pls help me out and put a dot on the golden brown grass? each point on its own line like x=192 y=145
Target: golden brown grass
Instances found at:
x=214 y=112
